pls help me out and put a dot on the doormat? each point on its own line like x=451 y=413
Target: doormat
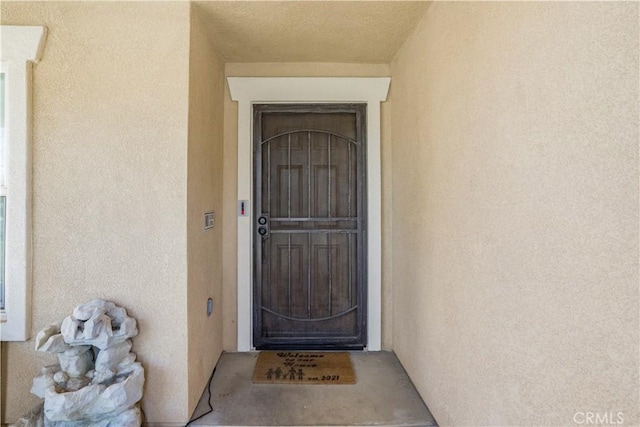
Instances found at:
x=303 y=367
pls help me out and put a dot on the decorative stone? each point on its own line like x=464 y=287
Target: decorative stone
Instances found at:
x=119 y=315
x=125 y=362
x=127 y=329
x=98 y=382
x=127 y=390
x=50 y=340
x=55 y=344
x=76 y=361
x=100 y=324
x=61 y=378
x=102 y=377
x=71 y=329
x=70 y=406
x=94 y=401
x=91 y=309
x=110 y=357
x=45 y=380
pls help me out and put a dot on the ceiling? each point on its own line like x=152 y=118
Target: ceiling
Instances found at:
x=309 y=31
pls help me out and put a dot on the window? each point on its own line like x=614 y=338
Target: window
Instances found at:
x=20 y=47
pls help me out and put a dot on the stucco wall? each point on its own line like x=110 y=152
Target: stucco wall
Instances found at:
x=515 y=211
x=204 y=194
x=109 y=188
x=300 y=69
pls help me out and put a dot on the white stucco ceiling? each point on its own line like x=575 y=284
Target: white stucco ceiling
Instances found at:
x=309 y=31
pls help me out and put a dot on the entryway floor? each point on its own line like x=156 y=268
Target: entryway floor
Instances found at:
x=383 y=396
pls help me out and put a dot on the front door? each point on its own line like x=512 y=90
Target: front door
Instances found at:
x=310 y=226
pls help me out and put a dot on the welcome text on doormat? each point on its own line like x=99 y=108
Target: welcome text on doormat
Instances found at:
x=293 y=367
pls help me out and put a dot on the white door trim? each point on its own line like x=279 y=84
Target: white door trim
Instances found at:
x=369 y=90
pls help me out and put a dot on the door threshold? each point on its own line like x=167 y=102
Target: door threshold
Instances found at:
x=289 y=347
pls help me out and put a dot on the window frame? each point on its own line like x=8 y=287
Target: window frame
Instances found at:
x=20 y=48
x=3 y=191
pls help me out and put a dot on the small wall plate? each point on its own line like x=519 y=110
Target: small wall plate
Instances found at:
x=209 y=220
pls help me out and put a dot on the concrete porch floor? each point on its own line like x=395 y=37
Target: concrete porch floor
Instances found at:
x=382 y=396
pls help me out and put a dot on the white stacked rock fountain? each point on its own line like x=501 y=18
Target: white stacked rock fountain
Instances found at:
x=97 y=382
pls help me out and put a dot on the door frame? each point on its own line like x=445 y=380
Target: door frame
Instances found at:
x=294 y=90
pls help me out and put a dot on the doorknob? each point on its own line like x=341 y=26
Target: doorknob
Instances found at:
x=263 y=225
x=263 y=230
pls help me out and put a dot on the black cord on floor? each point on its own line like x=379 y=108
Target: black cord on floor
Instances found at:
x=208 y=400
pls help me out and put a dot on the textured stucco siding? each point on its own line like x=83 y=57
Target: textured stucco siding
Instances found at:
x=515 y=211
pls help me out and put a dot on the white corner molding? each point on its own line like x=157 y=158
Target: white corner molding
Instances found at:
x=20 y=47
x=369 y=90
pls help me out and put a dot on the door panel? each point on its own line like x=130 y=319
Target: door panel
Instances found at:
x=309 y=289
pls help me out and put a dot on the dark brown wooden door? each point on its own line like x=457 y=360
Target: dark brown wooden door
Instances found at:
x=309 y=257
